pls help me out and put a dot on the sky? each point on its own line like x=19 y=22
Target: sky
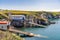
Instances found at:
x=31 y=5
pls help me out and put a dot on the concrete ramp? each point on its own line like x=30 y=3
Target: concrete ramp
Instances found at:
x=27 y=33
x=37 y=24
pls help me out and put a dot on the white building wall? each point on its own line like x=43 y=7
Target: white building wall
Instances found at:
x=3 y=26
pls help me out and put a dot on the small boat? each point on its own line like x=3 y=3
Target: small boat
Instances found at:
x=33 y=35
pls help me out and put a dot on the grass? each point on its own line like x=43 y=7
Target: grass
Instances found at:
x=6 y=35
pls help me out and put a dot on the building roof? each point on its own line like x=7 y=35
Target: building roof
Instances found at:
x=3 y=22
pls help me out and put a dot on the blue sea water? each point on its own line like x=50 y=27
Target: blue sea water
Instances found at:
x=52 y=32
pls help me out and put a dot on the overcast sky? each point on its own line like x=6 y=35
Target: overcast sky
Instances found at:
x=52 y=5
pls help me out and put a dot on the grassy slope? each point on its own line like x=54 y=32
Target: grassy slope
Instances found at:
x=5 y=35
x=27 y=12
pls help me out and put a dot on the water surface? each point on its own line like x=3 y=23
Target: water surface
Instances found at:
x=52 y=31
